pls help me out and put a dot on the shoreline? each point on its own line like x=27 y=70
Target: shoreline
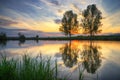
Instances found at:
x=104 y=38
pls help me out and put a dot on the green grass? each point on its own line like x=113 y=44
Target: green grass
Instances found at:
x=27 y=69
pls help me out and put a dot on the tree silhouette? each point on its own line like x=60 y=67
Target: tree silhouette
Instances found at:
x=91 y=20
x=37 y=38
x=3 y=36
x=21 y=38
x=69 y=23
x=3 y=39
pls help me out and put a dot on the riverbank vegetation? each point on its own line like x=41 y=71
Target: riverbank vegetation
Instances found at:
x=27 y=69
x=103 y=37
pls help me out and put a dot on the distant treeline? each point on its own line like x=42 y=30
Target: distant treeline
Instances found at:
x=22 y=37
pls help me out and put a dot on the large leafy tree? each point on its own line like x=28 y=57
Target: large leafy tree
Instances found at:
x=91 y=21
x=69 y=23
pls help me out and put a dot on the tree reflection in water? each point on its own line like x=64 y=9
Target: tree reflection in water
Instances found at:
x=21 y=42
x=3 y=43
x=91 y=57
x=70 y=53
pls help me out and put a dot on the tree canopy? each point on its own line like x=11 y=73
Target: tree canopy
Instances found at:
x=69 y=23
x=91 y=21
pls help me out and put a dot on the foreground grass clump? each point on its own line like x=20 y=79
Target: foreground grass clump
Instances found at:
x=27 y=69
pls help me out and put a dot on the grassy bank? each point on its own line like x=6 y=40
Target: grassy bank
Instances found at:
x=105 y=38
x=27 y=69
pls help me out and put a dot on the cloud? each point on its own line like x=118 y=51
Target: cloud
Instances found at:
x=25 y=21
x=55 y=2
x=57 y=21
x=6 y=22
x=60 y=10
x=51 y=2
x=111 y=6
x=34 y=6
x=14 y=32
x=111 y=23
x=45 y=14
x=83 y=2
x=76 y=8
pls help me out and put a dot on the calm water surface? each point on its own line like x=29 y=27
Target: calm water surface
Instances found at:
x=97 y=60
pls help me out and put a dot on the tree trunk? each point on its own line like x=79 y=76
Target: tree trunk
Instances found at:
x=70 y=30
x=90 y=35
x=70 y=47
x=70 y=35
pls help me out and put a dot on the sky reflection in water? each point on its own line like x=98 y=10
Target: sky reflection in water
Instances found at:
x=98 y=59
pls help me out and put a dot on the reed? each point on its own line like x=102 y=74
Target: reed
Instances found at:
x=28 y=68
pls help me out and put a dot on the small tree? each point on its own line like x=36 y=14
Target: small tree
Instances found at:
x=3 y=36
x=21 y=36
x=69 y=23
x=91 y=20
x=3 y=39
x=37 y=36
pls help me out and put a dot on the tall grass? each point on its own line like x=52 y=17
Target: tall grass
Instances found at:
x=27 y=69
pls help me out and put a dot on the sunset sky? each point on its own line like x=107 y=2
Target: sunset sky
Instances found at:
x=45 y=15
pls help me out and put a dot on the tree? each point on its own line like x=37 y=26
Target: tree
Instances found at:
x=91 y=21
x=21 y=36
x=69 y=23
x=37 y=37
x=3 y=36
x=3 y=39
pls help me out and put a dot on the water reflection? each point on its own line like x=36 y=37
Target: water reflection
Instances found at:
x=37 y=41
x=70 y=53
x=89 y=52
x=91 y=57
x=74 y=53
x=3 y=43
x=21 y=42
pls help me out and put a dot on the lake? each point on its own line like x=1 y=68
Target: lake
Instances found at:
x=97 y=60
